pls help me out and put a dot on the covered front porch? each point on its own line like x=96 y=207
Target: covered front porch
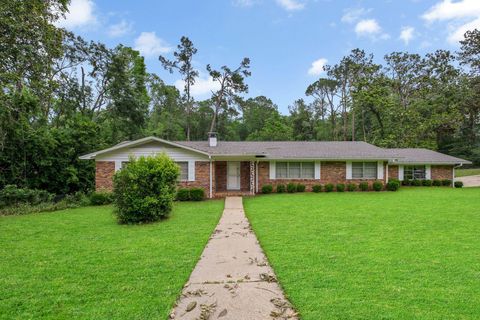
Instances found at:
x=235 y=178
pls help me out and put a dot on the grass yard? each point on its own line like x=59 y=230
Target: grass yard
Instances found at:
x=80 y=264
x=412 y=254
x=467 y=172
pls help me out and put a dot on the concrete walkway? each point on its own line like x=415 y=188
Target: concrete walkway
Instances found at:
x=233 y=280
x=470 y=181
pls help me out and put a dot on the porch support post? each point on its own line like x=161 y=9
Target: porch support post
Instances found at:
x=252 y=177
x=211 y=180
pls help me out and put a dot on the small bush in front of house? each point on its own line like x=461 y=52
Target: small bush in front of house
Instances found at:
x=291 y=187
x=393 y=185
x=329 y=187
x=300 y=187
x=197 y=194
x=446 y=182
x=351 y=187
x=406 y=182
x=281 y=188
x=317 y=188
x=416 y=183
x=458 y=184
x=99 y=198
x=363 y=186
x=427 y=183
x=437 y=183
x=266 y=189
x=144 y=190
x=340 y=187
x=183 y=194
x=377 y=186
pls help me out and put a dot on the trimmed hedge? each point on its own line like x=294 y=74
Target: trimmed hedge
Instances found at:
x=377 y=186
x=281 y=188
x=427 y=183
x=183 y=194
x=407 y=182
x=340 y=187
x=197 y=194
x=317 y=188
x=446 y=182
x=363 y=186
x=266 y=189
x=437 y=183
x=393 y=185
x=291 y=187
x=300 y=187
x=417 y=183
x=329 y=187
x=145 y=189
x=458 y=184
x=100 y=198
x=351 y=187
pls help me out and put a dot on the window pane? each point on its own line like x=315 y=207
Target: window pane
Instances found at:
x=281 y=170
x=124 y=164
x=357 y=170
x=419 y=172
x=370 y=170
x=408 y=173
x=183 y=170
x=294 y=170
x=308 y=170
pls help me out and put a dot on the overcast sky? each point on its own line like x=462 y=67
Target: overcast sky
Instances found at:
x=288 y=41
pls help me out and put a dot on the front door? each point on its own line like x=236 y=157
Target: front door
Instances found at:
x=233 y=175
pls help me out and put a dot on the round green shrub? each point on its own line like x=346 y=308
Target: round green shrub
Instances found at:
x=300 y=187
x=458 y=184
x=446 y=182
x=416 y=183
x=427 y=183
x=329 y=187
x=317 y=188
x=393 y=185
x=437 y=183
x=281 y=188
x=291 y=187
x=377 y=186
x=100 y=198
x=407 y=182
x=351 y=187
x=340 y=187
x=266 y=189
x=144 y=190
x=183 y=194
x=197 y=194
x=363 y=186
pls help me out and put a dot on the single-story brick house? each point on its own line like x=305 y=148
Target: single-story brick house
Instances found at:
x=243 y=167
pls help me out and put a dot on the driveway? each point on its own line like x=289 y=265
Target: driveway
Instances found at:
x=470 y=181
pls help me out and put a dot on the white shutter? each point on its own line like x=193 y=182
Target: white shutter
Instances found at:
x=428 y=172
x=400 y=173
x=349 y=170
x=191 y=170
x=317 y=170
x=380 y=170
x=118 y=165
x=272 y=170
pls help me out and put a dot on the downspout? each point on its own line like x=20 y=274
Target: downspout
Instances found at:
x=453 y=174
x=256 y=176
x=386 y=173
x=211 y=187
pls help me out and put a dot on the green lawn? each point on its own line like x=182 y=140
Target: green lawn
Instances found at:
x=80 y=264
x=467 y=172
x=413 y=254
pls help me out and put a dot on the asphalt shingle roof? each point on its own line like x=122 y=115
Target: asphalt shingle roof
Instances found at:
x=420 y=155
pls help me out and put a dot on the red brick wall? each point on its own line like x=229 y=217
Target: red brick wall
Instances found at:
x=104 y=171
x=220 y=176
x=330 y=172
x=442 y=172
x=245 y=176
x=393 y=172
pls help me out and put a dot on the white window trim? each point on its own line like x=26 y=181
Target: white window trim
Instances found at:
x=301 y=169
x=350 y=170
x=191 y=170
x=380 y=170
x=272 y=170
x=428 y=172
x=118 y=165
x=400 y=172
x=318 y=169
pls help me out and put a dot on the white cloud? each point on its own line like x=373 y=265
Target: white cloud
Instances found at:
x=80 y=13
x=203 y=86
x=354 y=14
x=447 y=10
x=407 y=34
x=367 y=27
x=150 y=45
x=120 y=29
x=458 y=34
x=317 y=67
x=462 y=16
x=291 y=5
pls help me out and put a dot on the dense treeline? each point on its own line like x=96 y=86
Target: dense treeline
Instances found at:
x=63 y=96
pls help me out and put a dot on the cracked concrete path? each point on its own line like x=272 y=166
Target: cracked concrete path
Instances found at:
x=233 y=280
